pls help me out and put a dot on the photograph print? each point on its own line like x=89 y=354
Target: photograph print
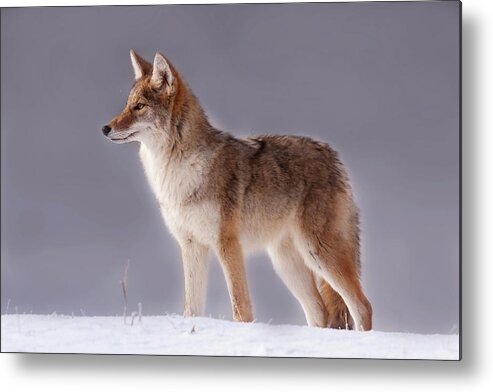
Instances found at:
x=267 y=180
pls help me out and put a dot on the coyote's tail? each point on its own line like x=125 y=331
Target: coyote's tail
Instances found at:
x=338 y=313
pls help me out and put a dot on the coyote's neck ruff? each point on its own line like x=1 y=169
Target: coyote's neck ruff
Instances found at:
x=289 y=195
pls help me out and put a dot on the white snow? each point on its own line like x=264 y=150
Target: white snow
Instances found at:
x=175 y=335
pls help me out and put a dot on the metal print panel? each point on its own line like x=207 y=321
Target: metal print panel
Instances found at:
x=276 y=180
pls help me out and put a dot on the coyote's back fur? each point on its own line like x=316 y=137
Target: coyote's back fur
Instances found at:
x=289 y=195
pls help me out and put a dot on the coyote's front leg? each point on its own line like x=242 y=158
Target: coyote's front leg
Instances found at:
x=231 y=257
x=195 y=265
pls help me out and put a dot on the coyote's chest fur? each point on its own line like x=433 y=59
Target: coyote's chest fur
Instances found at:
x=174 y=183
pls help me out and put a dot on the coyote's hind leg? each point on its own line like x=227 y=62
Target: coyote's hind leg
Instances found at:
x=338 y=268
x=329 y=244
x=291 y=268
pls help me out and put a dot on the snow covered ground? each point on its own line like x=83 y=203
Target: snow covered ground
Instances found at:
x=175 y=335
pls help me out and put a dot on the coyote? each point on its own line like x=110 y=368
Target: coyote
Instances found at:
x=289 y=195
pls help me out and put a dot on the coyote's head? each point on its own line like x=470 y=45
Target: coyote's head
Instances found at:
x=148 y=109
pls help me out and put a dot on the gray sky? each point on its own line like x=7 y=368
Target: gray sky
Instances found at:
x=378 y=81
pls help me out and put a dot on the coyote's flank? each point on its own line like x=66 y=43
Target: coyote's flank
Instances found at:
x=289 y=195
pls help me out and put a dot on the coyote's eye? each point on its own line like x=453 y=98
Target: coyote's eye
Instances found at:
x=139 y=106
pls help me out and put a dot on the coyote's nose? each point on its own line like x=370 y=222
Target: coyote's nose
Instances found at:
x=106 y=130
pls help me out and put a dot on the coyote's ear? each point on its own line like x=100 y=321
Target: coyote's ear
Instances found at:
x=161 y=72
x=140 y=66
